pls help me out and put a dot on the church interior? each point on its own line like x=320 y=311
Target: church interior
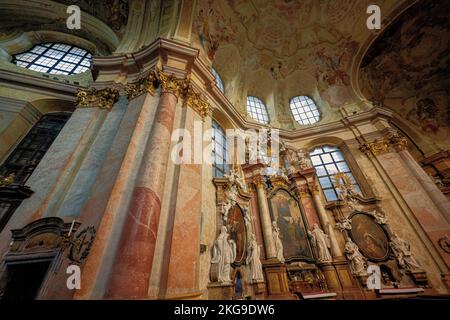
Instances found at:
x=346 y=196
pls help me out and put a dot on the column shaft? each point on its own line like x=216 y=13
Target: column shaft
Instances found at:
x=133 y=264
x=266 y=222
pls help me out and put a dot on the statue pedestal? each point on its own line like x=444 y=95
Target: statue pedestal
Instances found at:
x=220 y=291
x=340 y=280
x=259 y=290
x=277 y=280
x=419 y=276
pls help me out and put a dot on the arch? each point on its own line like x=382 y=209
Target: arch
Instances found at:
x=51 y=15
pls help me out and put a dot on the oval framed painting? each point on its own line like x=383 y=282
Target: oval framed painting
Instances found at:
x=370 y=237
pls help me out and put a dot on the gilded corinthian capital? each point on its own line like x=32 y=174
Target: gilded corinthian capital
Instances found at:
x=393 y=140
x=103 y=99
x=197 y=102
x=171 y=84
x=142 y=85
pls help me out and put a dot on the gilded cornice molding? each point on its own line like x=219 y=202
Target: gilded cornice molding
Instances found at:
x=197 y=102
x=380 y=146
x=103 y=99
x=142 y=85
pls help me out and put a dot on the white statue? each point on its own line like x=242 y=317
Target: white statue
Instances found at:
x=321 y=243
x=235 y=179
x=358 y=263
x=253 y=259
x=277 y=241
x=402 y=252
x=224 y=253
x=303 y=159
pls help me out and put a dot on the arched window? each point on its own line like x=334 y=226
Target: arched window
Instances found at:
x=329 y=160
x=219 y=81
x=27 y=155
x=55 y=58
x=257 y=110
x=219 y=151
x=304 y=110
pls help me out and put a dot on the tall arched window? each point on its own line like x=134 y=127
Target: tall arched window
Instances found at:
x=304 y=110
x=219 y=151
x=329 y=160
x=27 y=155
x=219 y=81
x=55 y=58
x=257 y=110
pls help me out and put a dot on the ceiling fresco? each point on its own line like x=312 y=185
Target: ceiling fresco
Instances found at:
x=407 y=69
x=309 y=44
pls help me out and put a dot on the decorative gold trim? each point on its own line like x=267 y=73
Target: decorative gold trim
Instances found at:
x=142 y=86
x=381 y=146
x=258 y=181
x=197 y=102
x=375 y=148
x=103 y=99
x=171 y=84
x=7 y=180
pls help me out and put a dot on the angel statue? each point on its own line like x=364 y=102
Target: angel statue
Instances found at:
x=321 y=243
x=402 y=252
x=253 y=259
x=277 y=241
x=357 y=262
x=235 y=179
x=224 y=254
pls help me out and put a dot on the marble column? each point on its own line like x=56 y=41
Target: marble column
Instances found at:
x=266 y=223
x=325 y=221
x=133 y=264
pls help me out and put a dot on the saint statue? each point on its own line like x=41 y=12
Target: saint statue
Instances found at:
x=402 y=252
x=303 y=159
x=357 y=261
x=321 y=243
x=253 y=259
x=277 y=242
x=224 y=253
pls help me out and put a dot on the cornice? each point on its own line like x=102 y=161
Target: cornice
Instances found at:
x=41 y=85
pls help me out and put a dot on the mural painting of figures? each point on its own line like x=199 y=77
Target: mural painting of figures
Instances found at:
x=286 y=212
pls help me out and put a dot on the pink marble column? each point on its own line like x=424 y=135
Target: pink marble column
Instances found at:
x=131 y=271
x=183 y=267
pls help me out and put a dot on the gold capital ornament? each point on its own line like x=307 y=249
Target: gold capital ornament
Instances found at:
x=197 y=102
x=103 y=98
x=142 y=85
x=171 y=84
x=380 y=146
